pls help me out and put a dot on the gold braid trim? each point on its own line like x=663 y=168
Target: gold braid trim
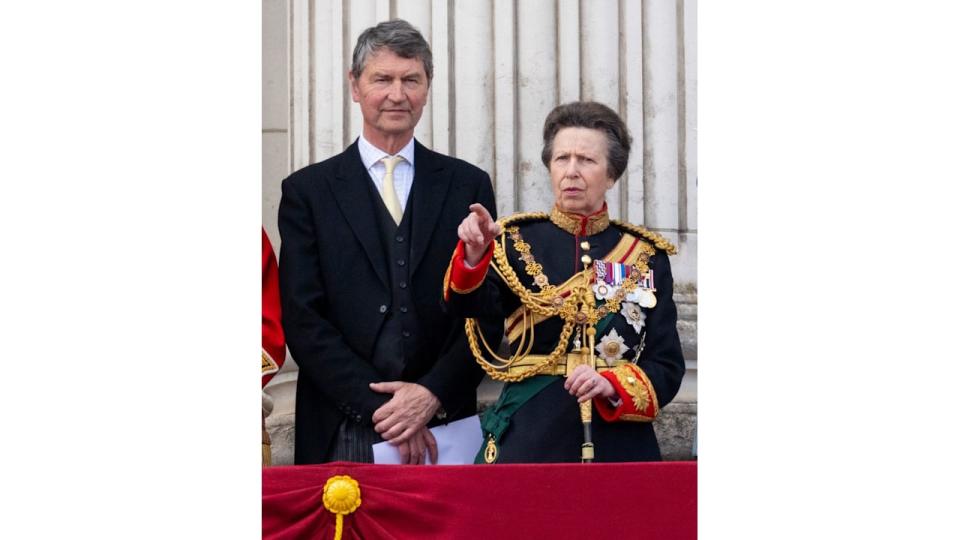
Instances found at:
x=641 y=253
x=566 y=286
x=640 y=390
x=659 y=241
x=595 y=224
x=542 y=303
x=539 y=302
x=267 y=364
x=547 y=303
x=465 y=291
x=446 y=278
x=497 y=373
x=448 y=284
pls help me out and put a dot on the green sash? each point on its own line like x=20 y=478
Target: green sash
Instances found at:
x=496 y=419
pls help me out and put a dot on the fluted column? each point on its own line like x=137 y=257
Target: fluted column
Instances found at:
x=660 y=150
x=631 y=65
x=600 y=65
x=473 y=82
x=505 y=106
x=536 y=96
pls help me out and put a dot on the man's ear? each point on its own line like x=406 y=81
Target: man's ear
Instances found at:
x=354 y=89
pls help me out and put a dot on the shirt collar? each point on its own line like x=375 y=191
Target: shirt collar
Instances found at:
x=371 y=155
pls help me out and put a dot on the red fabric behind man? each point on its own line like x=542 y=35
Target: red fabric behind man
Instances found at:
x=274 y=350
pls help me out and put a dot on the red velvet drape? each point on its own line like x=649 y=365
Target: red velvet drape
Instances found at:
x=556 y=501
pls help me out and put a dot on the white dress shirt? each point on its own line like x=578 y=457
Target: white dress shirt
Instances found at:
x=402 y=173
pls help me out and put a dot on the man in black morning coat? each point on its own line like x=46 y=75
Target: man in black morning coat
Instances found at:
x=366 y=238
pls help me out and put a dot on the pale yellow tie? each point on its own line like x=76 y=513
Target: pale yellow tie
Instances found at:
x=389 y=192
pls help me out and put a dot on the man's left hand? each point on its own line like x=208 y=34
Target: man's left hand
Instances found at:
x=410 y=408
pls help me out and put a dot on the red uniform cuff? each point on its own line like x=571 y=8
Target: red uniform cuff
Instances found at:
x=463 y=280
x=638 y=401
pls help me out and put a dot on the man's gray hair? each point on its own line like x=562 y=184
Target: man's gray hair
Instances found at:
x=397 y=35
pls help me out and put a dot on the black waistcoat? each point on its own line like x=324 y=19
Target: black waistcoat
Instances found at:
x=393 y=348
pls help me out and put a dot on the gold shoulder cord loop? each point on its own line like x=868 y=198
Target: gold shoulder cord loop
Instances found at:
x=541 y=303
x=658 y=241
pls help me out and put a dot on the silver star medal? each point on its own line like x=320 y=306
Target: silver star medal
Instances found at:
x=634 y=315
x=611 y=347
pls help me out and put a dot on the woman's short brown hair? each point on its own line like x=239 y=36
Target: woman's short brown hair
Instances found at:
x=590 y=115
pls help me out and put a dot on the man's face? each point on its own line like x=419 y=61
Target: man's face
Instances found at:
x=391 y=92
x=578 y=170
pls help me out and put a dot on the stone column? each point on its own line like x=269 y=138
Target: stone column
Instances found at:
x=660 y=149
x=418 y=13
x=536 y=96
x=473 y=82
x=505 y=106
x=600 y=66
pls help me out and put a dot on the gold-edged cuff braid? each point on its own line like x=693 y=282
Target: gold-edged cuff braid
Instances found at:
x=446 y=280
x=463 y=280
x=658 y=241
x=465 y=291
x=635 y=389
x=268 y=365
x=451 y=286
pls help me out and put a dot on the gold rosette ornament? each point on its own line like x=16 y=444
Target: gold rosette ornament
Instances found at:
x=341 y=496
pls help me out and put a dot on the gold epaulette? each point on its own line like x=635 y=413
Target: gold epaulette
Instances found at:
x=513 y=219
x=658 y=241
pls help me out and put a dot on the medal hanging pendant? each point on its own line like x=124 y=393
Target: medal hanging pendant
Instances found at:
x=490 y=452
x=646 y=298
x=604 y=291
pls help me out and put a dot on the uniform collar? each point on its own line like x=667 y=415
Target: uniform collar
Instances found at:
x=580 y=225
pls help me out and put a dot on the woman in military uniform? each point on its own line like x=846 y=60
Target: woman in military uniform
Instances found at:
x=586 y=303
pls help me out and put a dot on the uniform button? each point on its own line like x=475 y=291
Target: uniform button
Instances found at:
x=403 y=284
x=401 y=262
x=406 y=333
x=403 y=309
x=383 y=308
x=399 y=238
x=358 y=418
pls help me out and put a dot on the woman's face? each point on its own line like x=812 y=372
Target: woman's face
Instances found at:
x=578 y=170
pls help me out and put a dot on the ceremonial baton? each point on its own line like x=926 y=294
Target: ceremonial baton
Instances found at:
x=586 y=356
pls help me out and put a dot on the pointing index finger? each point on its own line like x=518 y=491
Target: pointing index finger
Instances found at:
x=481 y=212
